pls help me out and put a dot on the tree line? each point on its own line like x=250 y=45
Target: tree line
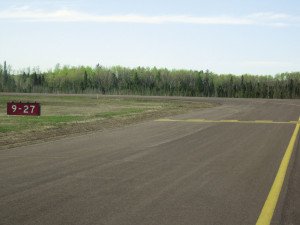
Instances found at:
x=150 y=81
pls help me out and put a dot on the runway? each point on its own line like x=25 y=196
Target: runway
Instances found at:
x=212 y=166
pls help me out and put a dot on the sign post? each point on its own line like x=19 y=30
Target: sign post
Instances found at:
x=24 y=109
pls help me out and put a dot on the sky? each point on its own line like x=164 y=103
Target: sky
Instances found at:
x=232 y=36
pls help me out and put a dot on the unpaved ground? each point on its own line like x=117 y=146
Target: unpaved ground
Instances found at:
x=155 y=109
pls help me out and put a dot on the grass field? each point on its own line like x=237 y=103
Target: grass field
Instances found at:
x=62 y=115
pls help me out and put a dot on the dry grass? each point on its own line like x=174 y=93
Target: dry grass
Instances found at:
x=69 y=115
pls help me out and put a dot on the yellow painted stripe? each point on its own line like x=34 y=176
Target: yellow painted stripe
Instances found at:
x=167 y=120
x=229 y=121
x=263 y=121
x=268 y=209
x=226 y=121
x=195 y=120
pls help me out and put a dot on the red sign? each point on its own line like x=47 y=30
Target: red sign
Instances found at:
x=24 y=109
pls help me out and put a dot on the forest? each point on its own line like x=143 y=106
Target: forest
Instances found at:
x=149 y=81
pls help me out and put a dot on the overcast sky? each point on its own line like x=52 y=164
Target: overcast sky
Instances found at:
x=232 y=36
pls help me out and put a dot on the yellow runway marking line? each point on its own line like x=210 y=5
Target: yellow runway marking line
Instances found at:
x=168 y=120
x=195 y=120
x=268 y=209
x=229 y=121
x=263 y=121
x=226 y=121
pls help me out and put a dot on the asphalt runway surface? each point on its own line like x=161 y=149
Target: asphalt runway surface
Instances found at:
x=204 y=167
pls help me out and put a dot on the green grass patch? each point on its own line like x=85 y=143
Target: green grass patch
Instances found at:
x=21 y=123
x=8 y=128
x=69 y=114
x=57 y=110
